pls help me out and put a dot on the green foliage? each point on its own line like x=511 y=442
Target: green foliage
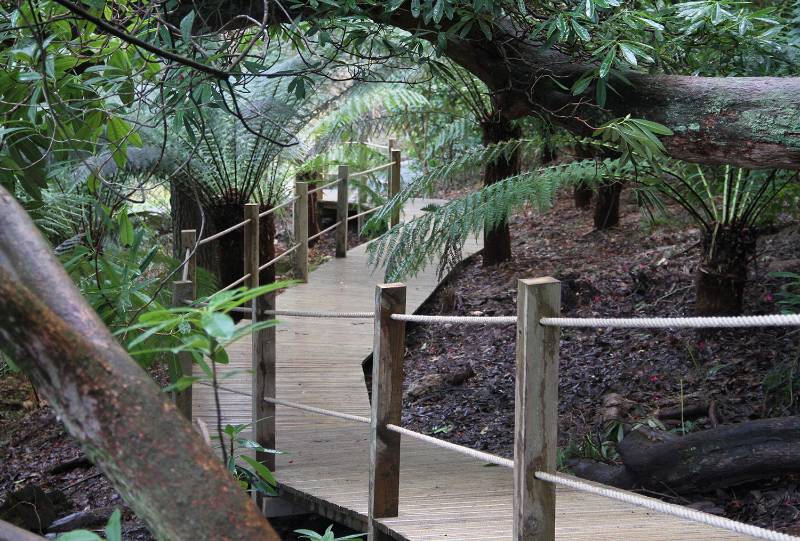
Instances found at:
x=113 y=531
x=789 y=294
x=203 y=330
x=251 y=474
x=439 y=235
x=781 y=385
x=326 y=536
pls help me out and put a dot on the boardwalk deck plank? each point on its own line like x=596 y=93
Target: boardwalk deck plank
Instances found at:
x=443 y=496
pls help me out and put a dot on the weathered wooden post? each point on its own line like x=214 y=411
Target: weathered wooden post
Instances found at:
x=394 y=182
x=536 y=409
x=341 y=210
x=182 y=293
x=188 y=240
x=263 y=345
x=387 y=403
x=301 y=231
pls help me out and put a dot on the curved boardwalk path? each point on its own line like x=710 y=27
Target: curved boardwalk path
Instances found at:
x=443 y=495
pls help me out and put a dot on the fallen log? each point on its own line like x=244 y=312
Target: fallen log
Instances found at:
x=719 y=457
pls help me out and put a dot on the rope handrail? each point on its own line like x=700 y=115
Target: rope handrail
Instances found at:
x=278 y=258
x=324 y=186
x=473 y=453
x=468 y=320
x=185 y=274
x=663 y=507
x=332 y=315
x=317 y=235
x=276 y=207
x=223 y=233
x=368 y=171
x=772 y=320
x=295 y=405
x=236 y=283
x=360 y=214
x=367 y=143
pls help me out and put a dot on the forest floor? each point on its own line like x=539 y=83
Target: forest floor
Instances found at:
x=459 y=382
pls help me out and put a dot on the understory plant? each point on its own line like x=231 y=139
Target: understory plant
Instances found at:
x=729 y=206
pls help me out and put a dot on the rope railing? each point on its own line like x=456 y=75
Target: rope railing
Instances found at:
x=278 y=258
x=236 y=283
x=663 y=507
x=368 y=144
x=223 y=233
x=773 y=320
x=323 y=187
x=360 y=214
x=466 y=320
x=467 y=451
x=373 y=170
x=278 y=207
x=326 y=230
x=326 y=315
x=295 y=405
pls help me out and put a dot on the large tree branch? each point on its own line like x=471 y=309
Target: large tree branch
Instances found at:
x=746 y=121
x=125 y=424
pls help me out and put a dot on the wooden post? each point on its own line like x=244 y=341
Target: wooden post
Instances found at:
x=263 y=345
x=536 y=409
x=182 y=291
x=341 y=211
x=394 y=185
x=387 y=402
x=301 y=231
x=188 y=240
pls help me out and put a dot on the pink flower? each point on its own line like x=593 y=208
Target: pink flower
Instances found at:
x=653 y=379
x=768 y=297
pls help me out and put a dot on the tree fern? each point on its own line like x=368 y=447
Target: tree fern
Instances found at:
x=438 y=236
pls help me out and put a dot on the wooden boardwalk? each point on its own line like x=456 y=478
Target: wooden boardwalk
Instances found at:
x=443 y=495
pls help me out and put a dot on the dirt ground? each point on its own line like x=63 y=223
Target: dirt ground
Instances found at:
x=459 y=381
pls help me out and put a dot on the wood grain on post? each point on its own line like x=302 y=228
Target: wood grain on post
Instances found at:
x=263 y=343
x=341 y=211
x=301 y=231
x=536 y=409
x=189 y=240
x=394 y=185
x=387 y=403
x=182 y=291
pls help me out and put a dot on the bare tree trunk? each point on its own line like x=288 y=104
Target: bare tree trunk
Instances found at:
x=497 y=240
x=722 y=273
x=582 y=196
x=606 y=210
x=124 y=423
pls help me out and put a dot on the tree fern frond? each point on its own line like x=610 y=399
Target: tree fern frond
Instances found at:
x=434 y=237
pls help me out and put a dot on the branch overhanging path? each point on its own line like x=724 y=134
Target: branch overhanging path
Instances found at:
x=752 y=122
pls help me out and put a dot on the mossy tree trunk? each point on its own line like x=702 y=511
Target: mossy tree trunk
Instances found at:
x=109 y=404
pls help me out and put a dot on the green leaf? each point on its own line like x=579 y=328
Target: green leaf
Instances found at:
x=125 y=228
x=220 y=326
x=79 y=535
x=114 y=528
x=580 y=30
x=260 y=469
x=608 y=61
x=186 y=26
x=438 y=11
x=655 y=127
x=628 y=54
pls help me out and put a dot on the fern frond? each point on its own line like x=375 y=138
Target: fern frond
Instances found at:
x=408 y=248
